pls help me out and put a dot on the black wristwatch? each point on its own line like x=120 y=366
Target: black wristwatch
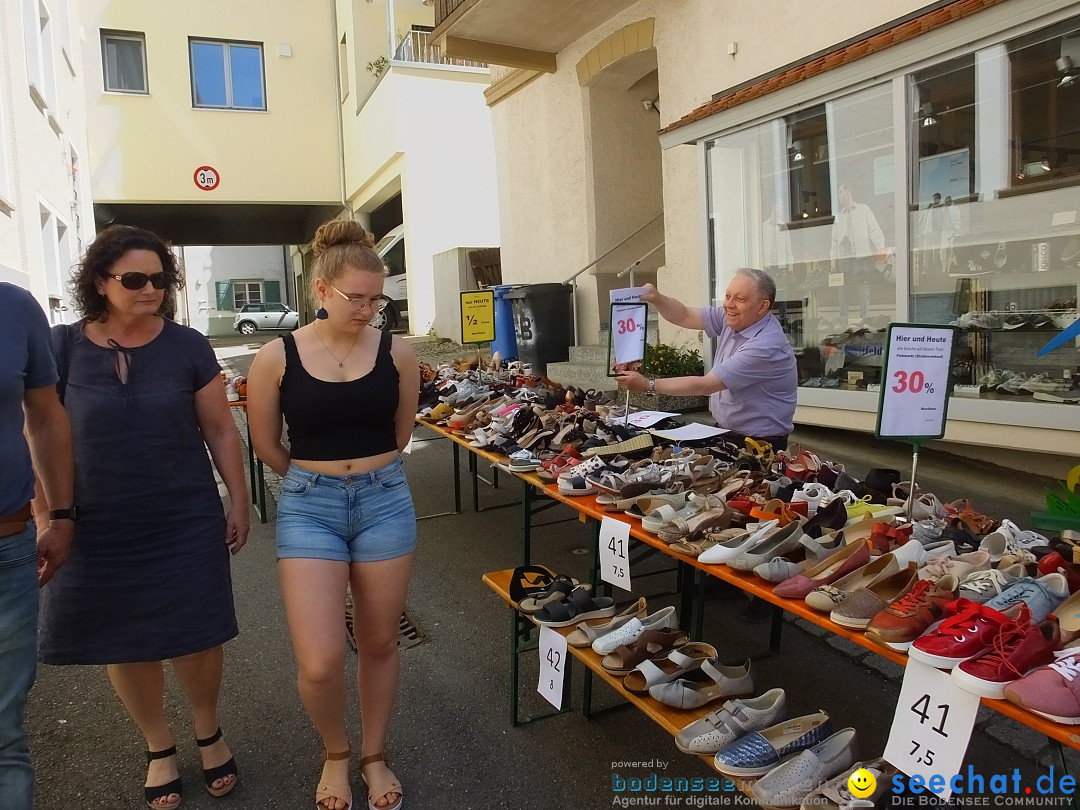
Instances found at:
x=71 y=514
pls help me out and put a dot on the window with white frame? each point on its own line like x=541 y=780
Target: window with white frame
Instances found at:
x=227 y=75
x=40 y=64
x=246 y=292
x=123 y=61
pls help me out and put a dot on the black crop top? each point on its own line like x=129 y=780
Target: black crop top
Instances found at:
x=333 y=421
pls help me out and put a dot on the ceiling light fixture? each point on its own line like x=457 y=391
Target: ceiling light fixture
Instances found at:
x=926 y=113
x=1068 y=70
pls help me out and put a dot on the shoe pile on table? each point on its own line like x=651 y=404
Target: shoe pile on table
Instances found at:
x=872 y=554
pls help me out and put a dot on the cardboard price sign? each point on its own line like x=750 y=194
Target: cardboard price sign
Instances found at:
x=477 y=316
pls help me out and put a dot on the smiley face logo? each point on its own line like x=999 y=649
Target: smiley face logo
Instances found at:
x=862 y=783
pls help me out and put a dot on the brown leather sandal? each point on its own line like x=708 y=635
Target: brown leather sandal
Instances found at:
x=382 y=789
x=328 y=791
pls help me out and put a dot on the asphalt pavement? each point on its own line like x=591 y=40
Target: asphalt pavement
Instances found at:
x=451 y=743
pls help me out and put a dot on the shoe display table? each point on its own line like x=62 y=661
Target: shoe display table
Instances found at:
x=692 y=580
x=669 y=719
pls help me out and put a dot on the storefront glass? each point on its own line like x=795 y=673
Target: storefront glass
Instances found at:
x=811 y=198
x=991 y=241
x=994 y=210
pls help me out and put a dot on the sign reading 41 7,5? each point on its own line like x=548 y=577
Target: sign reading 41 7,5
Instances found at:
x=915 y=382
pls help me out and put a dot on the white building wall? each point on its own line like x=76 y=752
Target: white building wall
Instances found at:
x=426 y=132
x=544 y=158
x=46 y=215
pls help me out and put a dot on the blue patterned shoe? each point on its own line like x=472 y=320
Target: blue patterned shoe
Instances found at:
x=760 y=751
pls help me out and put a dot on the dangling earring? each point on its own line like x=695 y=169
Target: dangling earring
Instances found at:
x=321 y=314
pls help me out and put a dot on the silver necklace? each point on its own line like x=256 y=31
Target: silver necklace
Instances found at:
x=341 y=362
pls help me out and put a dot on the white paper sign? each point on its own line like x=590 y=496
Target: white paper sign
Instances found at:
x=552 y=666
x=690 y=433
x=915 y=389
x=644 y=419
x=627 y=295
x=931 y=727
x=615 y=552
x=628 y=332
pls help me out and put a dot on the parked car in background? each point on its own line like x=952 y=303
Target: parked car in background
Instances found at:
x=391 y=249
x=253 y=317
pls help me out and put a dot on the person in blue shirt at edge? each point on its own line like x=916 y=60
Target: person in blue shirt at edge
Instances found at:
x=752 y=386
x=30 y=550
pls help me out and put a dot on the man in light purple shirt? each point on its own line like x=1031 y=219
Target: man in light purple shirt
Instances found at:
x=753 y=382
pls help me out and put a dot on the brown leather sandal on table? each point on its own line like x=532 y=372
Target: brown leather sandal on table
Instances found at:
x=379 y=790
x=328 y=791
x=648 y=645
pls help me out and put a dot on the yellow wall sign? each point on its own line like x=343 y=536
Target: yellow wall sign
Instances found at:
x=477 y=316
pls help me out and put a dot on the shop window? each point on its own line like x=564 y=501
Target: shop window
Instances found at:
x=1045 y=89
x=810 y=199
x=246 y=292
x=123 y=57
x=998 y=137
x=227 y=75
x=808 y=164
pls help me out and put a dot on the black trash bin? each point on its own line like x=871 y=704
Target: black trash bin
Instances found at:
x=543 y=323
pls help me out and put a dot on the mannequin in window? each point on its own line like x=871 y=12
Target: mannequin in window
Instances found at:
x=931 y=223
x=856 y=243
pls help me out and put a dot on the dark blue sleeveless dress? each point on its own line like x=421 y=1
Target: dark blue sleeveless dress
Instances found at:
x=148 y=577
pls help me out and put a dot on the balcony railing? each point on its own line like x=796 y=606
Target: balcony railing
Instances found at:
x=444 y=8
x=416 y=47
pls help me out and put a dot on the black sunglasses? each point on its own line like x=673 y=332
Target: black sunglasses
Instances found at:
x=136 y=281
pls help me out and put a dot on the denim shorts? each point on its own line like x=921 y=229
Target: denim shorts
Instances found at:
x=365 y=517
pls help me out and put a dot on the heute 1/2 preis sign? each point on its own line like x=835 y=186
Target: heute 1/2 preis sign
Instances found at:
x=207 y=178
x=915 y=382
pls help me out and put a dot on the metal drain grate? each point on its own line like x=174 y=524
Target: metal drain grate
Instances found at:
x=408 y=633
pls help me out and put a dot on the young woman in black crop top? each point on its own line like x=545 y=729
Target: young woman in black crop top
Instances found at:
x=348 y=394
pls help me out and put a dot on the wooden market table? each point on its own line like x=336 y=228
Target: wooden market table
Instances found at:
x=692 y=579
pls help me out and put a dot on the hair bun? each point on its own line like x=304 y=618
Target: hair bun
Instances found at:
x=340 y=232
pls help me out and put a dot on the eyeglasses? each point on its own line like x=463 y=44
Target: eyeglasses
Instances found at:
x=376 y=305
x=136 y=281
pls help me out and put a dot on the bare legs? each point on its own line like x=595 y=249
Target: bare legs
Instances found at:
x=314 y=592
x=141 y=688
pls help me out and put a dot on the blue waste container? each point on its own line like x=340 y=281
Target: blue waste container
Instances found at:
x=505 y=342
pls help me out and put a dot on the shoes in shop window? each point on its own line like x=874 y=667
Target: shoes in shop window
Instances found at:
x=1017 y=321
x=985 y=320
x=1046 y=384
x=1017 y=649
x=1012 y=382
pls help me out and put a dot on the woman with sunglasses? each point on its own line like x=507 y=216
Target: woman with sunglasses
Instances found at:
x=148 y=578
x=348 y=393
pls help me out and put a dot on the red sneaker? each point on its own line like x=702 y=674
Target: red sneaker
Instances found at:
x=1018 y=648
x=1056 y=563
x=968 y=632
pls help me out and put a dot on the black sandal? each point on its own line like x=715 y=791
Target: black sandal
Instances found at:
x=211 y=775
x=159 y=792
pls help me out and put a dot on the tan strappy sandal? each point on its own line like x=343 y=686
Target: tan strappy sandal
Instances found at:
x=328 y=790
x=377 y=791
